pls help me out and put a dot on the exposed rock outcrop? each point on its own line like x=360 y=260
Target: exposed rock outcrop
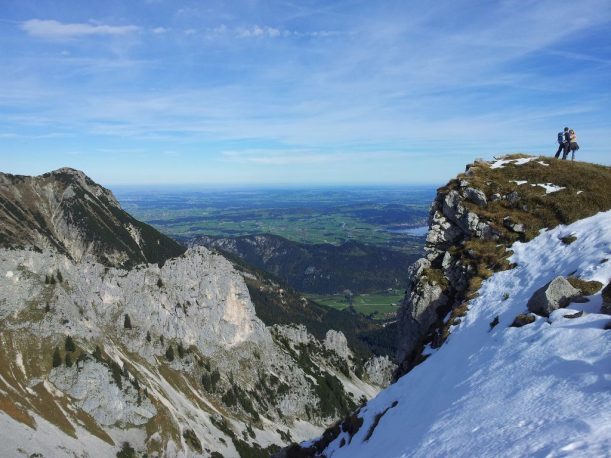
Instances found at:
x=556 y=294
x=379 y=370
x=336 y=341
x=522 y=320
x=441 y=278
x=112 y=330
x=606 y=295
x=473 y=221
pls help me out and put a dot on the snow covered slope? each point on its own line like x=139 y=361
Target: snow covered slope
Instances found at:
x=540 y=390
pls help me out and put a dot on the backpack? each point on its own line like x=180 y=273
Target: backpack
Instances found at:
x=560 y=138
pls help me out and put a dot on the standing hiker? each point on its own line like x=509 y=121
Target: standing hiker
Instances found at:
x=567 y=142
x=562 y=145
x=573 y=146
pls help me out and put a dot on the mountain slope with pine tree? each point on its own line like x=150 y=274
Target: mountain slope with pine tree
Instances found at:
x=318 y=268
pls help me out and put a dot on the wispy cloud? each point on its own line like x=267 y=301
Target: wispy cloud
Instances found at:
x=301 y=157
x=261 y=32
x=335 y=85
x=55 y=30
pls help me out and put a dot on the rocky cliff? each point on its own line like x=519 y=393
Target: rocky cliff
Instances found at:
x=67 y=212
x=472 y=222
x=475 y=220
x=165 y=359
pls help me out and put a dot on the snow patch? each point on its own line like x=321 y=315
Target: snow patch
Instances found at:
x=500 y=163
x=549 y=187
x=19 y=362
x=538 y=390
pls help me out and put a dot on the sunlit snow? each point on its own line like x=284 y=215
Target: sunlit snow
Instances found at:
x=500 y=163
x=549 y=187
x=540 y=390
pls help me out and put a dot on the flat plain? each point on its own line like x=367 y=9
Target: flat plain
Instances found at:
x=378 y=216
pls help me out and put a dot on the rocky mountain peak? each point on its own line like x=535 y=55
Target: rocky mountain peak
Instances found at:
x=64 y=210
x=73 y=177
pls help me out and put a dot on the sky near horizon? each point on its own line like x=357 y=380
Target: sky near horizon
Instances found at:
x=297 y=92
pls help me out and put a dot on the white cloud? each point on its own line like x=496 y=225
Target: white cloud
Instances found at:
x=51 y=29
x=258 y=31
x=160 y=30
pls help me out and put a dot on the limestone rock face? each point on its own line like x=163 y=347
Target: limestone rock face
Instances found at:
x=67 y=212
x=336 y=341
x=379 y=370
x=202 y=299
x=476 y=196
x=96 y=394
x=450 y=222
x=199 y=306
x=556 y=294
x=466 y=220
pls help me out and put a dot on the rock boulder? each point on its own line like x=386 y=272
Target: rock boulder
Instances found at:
x=606 y=294
x=476 y=196
x=556 y=294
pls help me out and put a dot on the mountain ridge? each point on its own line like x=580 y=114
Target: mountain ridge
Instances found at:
x=164 y=358
x=66 y=211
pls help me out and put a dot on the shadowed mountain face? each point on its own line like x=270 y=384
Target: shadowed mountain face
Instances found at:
x=319 y=268
x=66 y=211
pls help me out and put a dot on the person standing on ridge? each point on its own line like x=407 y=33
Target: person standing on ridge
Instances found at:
x=573 y=146
x=567 y=142
x=561 y=143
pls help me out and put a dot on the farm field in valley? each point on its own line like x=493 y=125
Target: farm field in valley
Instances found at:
x=378 y=306
x=391 y=217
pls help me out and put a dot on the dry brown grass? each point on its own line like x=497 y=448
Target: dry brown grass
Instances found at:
x=16 y=412
x=587 y=288
x=435 y=276
x=455 y=315
x=536 y=209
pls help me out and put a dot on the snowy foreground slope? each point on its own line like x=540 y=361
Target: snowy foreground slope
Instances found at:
x=542 y=390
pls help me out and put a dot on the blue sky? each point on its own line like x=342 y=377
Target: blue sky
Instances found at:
x=312 y=92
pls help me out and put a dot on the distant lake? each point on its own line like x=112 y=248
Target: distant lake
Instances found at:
x=419 y=231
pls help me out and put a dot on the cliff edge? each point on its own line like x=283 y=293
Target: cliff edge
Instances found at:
x=473 y=221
